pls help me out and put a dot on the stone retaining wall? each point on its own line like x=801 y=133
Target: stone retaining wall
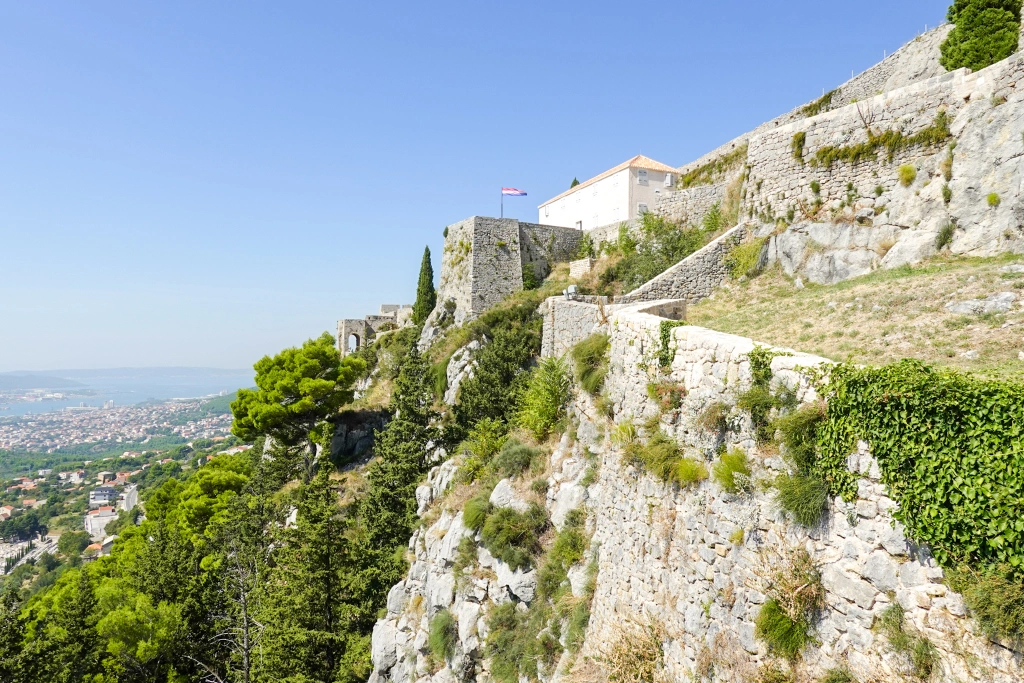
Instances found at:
x=675 y=556
x=693 y=278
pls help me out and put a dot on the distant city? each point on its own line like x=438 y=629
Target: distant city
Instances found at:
x=49 y=432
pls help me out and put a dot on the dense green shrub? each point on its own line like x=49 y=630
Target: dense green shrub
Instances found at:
x=796 y=597
x=995 y=598
x=484 y=441
x=514 y=537
x=519 y=643
x=499 y=378
x=744 y=260
x=907 y=174
x=663 y=458
x=585 y=248
x=782 y=634
x=984 y=32
x=732 y=471
x=993 y=199
x=476 y=509
x=945 y=236
x=759 y=401
x=661 y=245
x=804 y=497
x=543 y=403
x=443 y=635
x=530 y=279
x=590 y=357
x=514 y=458
x=799 y=432
x=568 y=549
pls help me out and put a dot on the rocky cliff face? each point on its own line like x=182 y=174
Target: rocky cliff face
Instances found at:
x=695 y=562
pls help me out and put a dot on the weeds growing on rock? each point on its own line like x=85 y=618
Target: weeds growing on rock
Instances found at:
x=796 y=596
x=839 y=675
x=993 y=200
x=476 y=509
x=714 y=418
x=591 y=359
x=918 y=652
x=543 y=403
x=514 y=458
x=514 y=537
x=443 y=635
x=637 y=654
x=945 y=236
x=803 y=497
x=732 y=471
x=907 y=174
x=744 y=260
x=995 y=598
x=662 y=457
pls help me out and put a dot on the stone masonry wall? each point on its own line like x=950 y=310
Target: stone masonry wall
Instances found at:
x=693 y=278
x=689 y=205
x=693 y=561
x=482 y=263
x=867 y=217
x=673 y=556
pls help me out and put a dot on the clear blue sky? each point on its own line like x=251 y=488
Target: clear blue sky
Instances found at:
x=201 y=183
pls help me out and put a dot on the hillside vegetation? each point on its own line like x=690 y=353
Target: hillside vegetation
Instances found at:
x=882 y=317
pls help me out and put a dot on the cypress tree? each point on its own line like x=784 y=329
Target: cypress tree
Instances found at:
x=426 y=297
x=575 y=182
x=985 y=32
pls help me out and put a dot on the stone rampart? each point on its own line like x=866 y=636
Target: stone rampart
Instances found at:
x=689 y=205
x=483 y=261
x=693 y=278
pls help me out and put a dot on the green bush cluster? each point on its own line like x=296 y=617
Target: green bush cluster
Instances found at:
x=995 y=597
x=543 y=402
x=662 y=457
x=515 y=458
x=514 y=537
x=907 y=174
x=484 y=441
x=568 y=549
x=795 y=598
x=759 y=400
x=519 y=643
x=668 y=395
x=714 y=417
x=744 y=260
x=590 y=358
x=732 y=471
x=892 y=141
x=661 y=244
x=443 y=634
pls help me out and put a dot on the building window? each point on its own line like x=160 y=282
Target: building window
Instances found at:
x=579 y=225
x=641 y=177
x=668 y=180
x=545 y=211
x=641 y=208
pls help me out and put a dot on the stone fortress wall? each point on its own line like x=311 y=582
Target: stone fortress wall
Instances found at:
x=483 y=262
x=674 y=557
x=366 y=329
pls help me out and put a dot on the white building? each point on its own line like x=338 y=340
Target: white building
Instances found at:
x=102 y=495
x=96 y=521
x=619 y=194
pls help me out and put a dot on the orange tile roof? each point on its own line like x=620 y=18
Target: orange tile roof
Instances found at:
x=639 y=161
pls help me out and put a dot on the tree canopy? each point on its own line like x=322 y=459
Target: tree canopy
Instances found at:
x=984 y=32
x=297 y=390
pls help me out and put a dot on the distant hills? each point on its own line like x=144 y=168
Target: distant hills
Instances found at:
x=36 y=381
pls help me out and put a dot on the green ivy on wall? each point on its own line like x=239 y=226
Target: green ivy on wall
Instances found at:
x=950 y=448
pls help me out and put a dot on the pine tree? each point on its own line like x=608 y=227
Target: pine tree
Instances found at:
x=426 y=297
x=308 y=614
x=11 y=632
x=984 y=32
x=575 y=182
x=70 y=651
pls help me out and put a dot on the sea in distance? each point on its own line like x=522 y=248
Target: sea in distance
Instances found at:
x=23 y=393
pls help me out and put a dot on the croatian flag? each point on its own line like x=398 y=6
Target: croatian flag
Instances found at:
x=512 y=192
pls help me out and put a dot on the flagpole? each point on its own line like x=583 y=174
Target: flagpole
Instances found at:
x=502 y=204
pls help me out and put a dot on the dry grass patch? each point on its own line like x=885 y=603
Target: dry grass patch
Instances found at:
x=882 y=317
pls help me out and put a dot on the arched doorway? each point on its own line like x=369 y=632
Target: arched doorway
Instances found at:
x=353 y=342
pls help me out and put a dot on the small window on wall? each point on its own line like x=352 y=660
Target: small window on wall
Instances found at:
x=641 y=209
x=579 y=225
x=668 y=180
x=545 y=211
x=641 y=177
